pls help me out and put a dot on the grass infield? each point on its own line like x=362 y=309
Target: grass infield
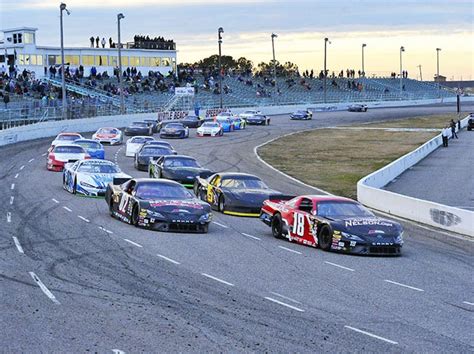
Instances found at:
x=335 y=159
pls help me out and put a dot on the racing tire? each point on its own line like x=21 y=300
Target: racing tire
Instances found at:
x=277 y=226
x=221 y=133
x=325 y=238
x=111 y=207
x=134 y=217
x=197 y=190
x=221 y=204
x=267 y=122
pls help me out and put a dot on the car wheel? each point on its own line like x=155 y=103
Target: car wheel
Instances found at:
x=111 y=207
x=221 y=205
x=221 y=133
x=134 y=218
x=277 y=226
x=325 y=238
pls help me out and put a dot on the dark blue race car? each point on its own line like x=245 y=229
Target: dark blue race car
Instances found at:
x=302 y=115
x=92 y=147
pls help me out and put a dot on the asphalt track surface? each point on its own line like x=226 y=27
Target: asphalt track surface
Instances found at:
x=74 y=279
x=450 y=172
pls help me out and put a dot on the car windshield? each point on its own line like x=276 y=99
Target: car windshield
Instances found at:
x=342 y=209
x=192 y=118
x=61 y=149
x=300 y=112
x=140 y=140
x=180 y=162
x=107 y=131
x=158 y=143
x=154 y=190
x=223 y=119
x=210 y=125
x=249 y=112
x=68 y=137
x=97 y=167
x=246 y=182
x=155 y=151
x=174 y=126
x=88 y=144
x=139 y=124
x=258 y=116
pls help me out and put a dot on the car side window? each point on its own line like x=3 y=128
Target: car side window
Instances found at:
x=160 y=161
x=216 y=181
x=306 y=205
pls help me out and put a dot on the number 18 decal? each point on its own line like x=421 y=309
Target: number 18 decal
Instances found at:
x=298 y=224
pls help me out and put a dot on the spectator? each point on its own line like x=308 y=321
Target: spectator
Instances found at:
x=445 y=135
x=103 y=42
x=97 y=41
x=111 y=42
x=453 y=129
x=6 y=99
x=92 y=41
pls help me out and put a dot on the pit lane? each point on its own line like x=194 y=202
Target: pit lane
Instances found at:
x=128 y=288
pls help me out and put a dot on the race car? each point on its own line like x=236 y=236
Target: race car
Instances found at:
x=258 y=119
x=64 y=153
x=157 y=204
x=249 y=113
x=174 y=130
x=239 y=123
x=93 y=148
x=179 y=168
x=139 y=128
x=333 y=224
x=226 y=122
x=237 y=194
x=153 y=124
x=302 y=115
x=112 y=136
x=160 y=143
x=149 y=152
x=210 y=128
x=357 y=108
x=90 y=177
x=192 y=121
x=135 y=143
x=470 y=122
x=65 y=138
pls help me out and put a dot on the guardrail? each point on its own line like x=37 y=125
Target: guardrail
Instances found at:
x=449 y=218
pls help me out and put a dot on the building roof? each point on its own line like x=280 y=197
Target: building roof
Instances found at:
x=16 y=29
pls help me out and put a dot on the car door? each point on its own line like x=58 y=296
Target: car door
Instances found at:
x=211 y=194
x=300 y=223
x=69 y=176
x=158 y=167
x=126 y=199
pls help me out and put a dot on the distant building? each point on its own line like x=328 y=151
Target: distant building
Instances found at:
x=439 y=78
x=19 y=49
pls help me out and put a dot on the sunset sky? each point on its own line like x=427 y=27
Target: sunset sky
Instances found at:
x=301 y=25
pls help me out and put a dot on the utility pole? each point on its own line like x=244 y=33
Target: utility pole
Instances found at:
x=326 y=40
x=421 y=75
x=402 y=49
x=437 y=71
x=219 y=41
x=274 y=61
x=120 y=16
x=363 y=66
x=62 y=8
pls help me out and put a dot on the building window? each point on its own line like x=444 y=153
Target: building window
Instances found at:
x=54 y=59
x=124 y=61
x=28 y=38
x=113 y=61
x=88 y=60
x=144 y=61
x=155 y=61
x=165 y=62
x=17 y=38
x=101 y=60
x=71 y=60
x=134 y=61
x=36 y=59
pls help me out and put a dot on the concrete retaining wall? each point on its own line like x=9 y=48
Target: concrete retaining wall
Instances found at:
x=430 y=213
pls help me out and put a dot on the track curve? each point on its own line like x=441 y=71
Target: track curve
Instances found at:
x=234 y=289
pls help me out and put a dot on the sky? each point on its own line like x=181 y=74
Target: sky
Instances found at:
x=384 y=25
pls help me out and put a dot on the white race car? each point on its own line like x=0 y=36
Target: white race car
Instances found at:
x=249 y=113
x=134 y=144
x=112 y=136
x=224 y=115
x=65 y=138
x=210 y=128
x=90 y=177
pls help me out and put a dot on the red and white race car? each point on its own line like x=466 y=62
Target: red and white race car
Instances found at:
x=61 y=154
x=65 y=138
x=332 y=224
x=112 y=136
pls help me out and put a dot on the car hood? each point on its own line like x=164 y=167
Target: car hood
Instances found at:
x=370 y=227
x=177 y=205
x=185 y=171
x=256 y=196
x=106 y=136
x=100 y=180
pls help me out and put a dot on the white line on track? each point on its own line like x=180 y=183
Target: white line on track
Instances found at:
x=22 y=167
x=54 y=200
x=44 y=154
x=217 y=279
x=283 y=304
x=16 y=176
x=12 y=198
x=118 y=351
x=371 y=334
x=289 y=250
x=405 y=286
x=221 y=225
x=168 y=259
x=285 y=297
x=13 y=186
x=468 y=303
x=339 y=266
x=17 y=244
x=44 y=288
x=31 y=160
x=67 y=209
x=250 y=236
x=133 y=243
x=83 y=218
x=104 y=229
x=9 y=217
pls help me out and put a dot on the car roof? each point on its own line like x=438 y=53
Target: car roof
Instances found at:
x=68 y=145
x=72 y=134
x=179 y=156
x=327 y=198
x=108 y=128
x=236 y=174
x=142 y=137
x=86 y=140
x=156 y=181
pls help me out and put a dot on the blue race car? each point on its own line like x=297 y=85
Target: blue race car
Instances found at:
x=302 y=115
x=225 y=119
x=92 y=147
x=239 y=123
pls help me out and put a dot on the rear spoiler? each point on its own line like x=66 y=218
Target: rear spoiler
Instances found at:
x=120 y=180
x=280 y=197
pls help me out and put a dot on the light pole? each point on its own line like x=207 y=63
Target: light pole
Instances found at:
x=437 y=69
x=363 y=67
x=219 y=41
x=274 y=61
x=326 y=40
x=421 y=74
x=62 y=8
x=402 y=49
x=120 y=16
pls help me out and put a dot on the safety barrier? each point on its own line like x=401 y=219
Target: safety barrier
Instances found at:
x=369 y=193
